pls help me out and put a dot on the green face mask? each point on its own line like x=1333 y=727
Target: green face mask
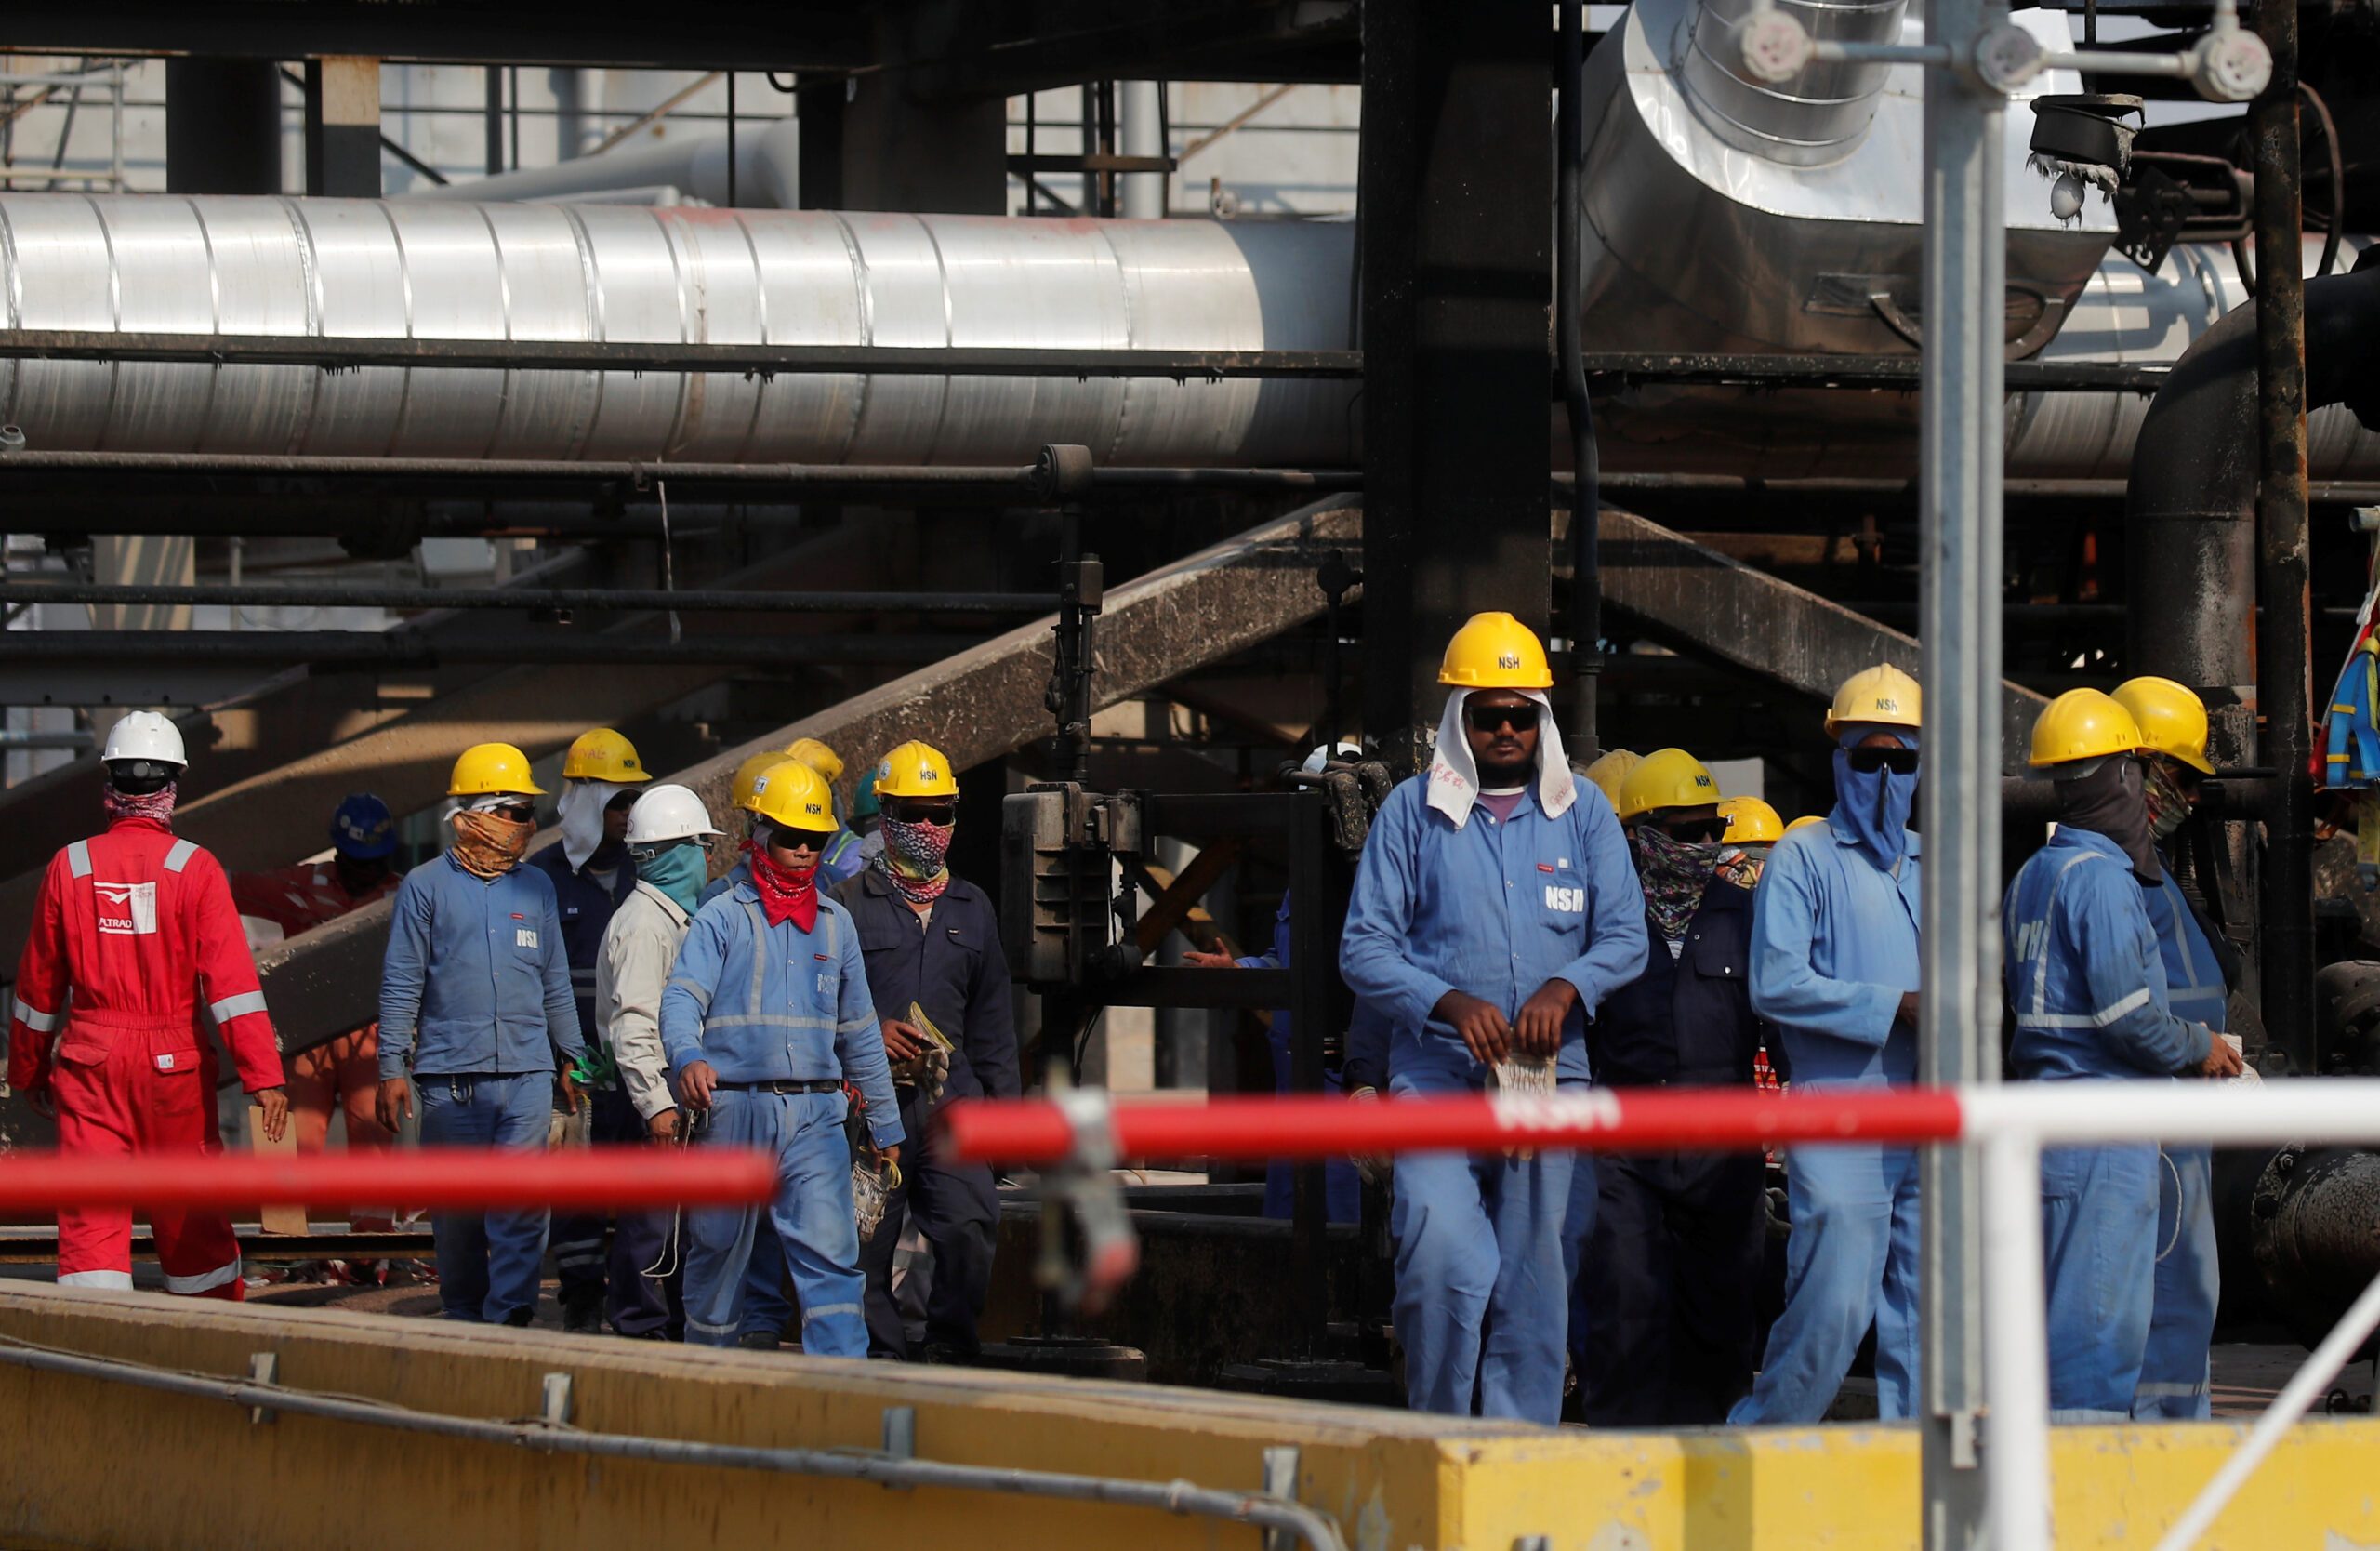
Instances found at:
x=678 y=872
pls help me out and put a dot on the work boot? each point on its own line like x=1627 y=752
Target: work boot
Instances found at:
x=582 y=1312
x=520 y=1319
x=760 y=1341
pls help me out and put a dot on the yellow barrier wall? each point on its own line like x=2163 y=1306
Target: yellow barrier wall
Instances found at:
x=90 y=1464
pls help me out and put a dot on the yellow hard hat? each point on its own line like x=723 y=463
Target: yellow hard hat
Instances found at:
x=1751 y=822
x=1804 y=822
x=790 y=793
x=747 y=777
x=488 y=768
x=601 y=754
x=2082 y=724
x=1882 y=694
x=1496 y=651
x=1666 y=779
x=818 y=756
x=1606 y=773
x=916 y=770
x=2172 y=718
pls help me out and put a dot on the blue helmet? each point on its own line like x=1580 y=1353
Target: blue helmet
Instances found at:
x=362 y=829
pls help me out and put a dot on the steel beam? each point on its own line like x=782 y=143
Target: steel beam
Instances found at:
x=25 y=655
x=1709 y=603
x=549 y=599
x=1457 y=269
x=982 y=705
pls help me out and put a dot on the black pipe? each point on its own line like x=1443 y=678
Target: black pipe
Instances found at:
x=1586 y=495
x=301 y=595
x=404 y=649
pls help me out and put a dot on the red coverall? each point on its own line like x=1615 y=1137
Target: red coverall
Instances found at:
x=134 y=939
x=344 y=1073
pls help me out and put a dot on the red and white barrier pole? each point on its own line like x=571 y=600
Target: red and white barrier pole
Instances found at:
x=434 y=1179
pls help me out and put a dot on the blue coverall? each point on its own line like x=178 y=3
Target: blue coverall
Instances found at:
x=950 y=964
x=1834 y=946
x=475 y=999
x=1495 y=909
x=1343 y=1191
x=586 y=905
x=778 y=1007
x=767 y=1310
x=2181 y=1325
x=2088 y=987
x=1678 y=1237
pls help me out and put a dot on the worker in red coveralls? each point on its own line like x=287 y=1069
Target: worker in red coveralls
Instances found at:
x=135 y=942
x=343 y=1074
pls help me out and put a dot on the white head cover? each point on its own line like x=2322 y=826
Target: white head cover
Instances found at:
x=1454 y=774
x=582 y=808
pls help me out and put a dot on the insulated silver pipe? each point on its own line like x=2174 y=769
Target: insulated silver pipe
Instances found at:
x=1813 y=119
x=408 y=269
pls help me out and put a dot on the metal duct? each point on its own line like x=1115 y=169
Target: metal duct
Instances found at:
x=767 y=172
x=1818 y=116
x=411 y=267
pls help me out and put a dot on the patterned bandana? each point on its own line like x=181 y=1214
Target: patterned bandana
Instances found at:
x=914 y=859
x=1741 y=865
x=156 y=806
x=1675 y=873
x=2167 y=805
x=786 y=894
x=489 y=846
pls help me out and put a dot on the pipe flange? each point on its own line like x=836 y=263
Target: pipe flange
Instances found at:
x=1776 y=47
x=2230 y=66
x=2007 y=58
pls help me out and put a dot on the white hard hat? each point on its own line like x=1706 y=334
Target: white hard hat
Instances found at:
x=144 y=736
x=1324 y=753
x=668 y=813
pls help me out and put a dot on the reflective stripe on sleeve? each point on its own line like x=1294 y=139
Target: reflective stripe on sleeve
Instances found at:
x=34 y=1018
x=695 y=988
x=233 y=1006
x=178 y=858
x=78 y=858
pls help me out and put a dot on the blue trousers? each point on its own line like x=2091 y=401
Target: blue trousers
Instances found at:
x=1851 y=1261
x=2099 y=1247
x=1482 y=1306
x=2189 y=1286
x=487 y=1265
x=811 y=1220
x=765 y=1306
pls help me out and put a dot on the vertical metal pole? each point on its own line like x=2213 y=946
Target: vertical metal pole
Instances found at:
x=1586 y=490
x=2286 y=960
x=1959 y=614
x=1317 y=917
x=731 y=140
x=2019 y=1348
x=495 y=120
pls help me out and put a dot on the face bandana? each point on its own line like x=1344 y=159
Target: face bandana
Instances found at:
x=786 y=894
x=677 y=871
x=914 y=859
x=1741 y=865
x=1875 y=805
x=488 y=844
x=1675 y=873
x=156 y=806
x=2167 y=805
x=2107 y=801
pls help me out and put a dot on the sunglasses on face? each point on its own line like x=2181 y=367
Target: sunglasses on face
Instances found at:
x=942 y=816
x=1489 y=718
x=1900 y=762
x=519 y=813
x=785 y=838
x=1699 y=831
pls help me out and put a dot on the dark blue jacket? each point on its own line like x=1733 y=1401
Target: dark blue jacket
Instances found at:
x=586 y=909
x=954 y=969
x=1688 y=1020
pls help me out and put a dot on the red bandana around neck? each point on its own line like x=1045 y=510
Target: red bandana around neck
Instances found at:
x=786 y=894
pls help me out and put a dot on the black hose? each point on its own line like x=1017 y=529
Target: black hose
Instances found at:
x=1586 y=504
x=2338 y=179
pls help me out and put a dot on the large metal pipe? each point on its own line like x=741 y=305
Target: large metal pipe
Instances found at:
x=1811 y=120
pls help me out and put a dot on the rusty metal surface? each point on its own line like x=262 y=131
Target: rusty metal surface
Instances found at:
x=1706 y=602
x=977 y=706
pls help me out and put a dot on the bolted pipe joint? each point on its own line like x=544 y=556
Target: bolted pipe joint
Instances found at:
x=2229 y=65
x=2007 y=59
x=1062 y=473
x=1776 y=47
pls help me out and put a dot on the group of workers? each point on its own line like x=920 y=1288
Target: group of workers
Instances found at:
x=1518 y=925
x=1514 y=923
x=601 y=988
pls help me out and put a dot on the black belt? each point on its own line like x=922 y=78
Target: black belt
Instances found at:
x=823 y=1085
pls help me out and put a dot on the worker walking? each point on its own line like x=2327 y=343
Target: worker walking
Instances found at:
x=1493 y=911
x=932 y=945
x=668 y=839
x=591 y=875
x=342 y=1074
x=2086 y=986
x=475 y=1003
x=1672 y=1270
x=1835 y=967
x=766 y=1017
x=2200 y=967
x=135 y=946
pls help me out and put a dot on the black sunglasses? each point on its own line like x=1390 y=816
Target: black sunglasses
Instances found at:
x=942 y=816
x=519 y=813
x=785 y=837
x=1900 y=762
x=1701 y=831
x=1488 y=719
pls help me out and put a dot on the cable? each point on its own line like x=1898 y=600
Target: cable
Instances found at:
x=2338 y=179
